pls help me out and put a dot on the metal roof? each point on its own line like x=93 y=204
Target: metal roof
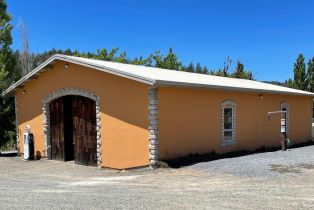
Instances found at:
x=160 y=77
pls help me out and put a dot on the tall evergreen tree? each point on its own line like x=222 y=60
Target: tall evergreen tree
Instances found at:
x=190 y=68
x=300 y=73
x=220 y=72
x=310 y=75
x=6 y=64
x=239 y=71
x=142 y=61
x=5 y=42
x=289 y=83
x=212 y=72
x=205 y=70
x=198 y=68
x=171 y=61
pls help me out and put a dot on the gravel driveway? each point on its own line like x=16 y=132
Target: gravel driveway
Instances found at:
x=276 y=180
x=269 y=164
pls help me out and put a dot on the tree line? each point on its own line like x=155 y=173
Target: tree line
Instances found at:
x=156 y=59
x=303 y=74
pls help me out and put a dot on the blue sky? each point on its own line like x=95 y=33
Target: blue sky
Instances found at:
x=266 y=35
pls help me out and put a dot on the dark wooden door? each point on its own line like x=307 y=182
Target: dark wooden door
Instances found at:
x=57 y=129
x=68 y=128
x=84 y=130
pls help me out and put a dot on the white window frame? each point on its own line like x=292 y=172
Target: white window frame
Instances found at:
x=228 y=104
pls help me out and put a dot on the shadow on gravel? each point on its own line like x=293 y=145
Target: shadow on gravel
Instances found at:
x=197 y=158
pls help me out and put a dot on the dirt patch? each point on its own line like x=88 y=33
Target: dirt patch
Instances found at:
x=290 y=168
x=48 y=184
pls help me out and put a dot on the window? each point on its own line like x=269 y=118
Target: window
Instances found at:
x=228 y=114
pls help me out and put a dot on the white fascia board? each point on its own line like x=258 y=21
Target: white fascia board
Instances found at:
x=228 y=88
x=28 y=76
x=70 y=60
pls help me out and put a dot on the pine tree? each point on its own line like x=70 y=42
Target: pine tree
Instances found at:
x=310 y=75
x=205 y=70
x=212 y=72
x=239 y=71
x=288 y=83
x=5 y=42
x=7 y=126
x=299 y=73
x=219 y=72
x=190 y=68
x=198 y=68
x=171 y=61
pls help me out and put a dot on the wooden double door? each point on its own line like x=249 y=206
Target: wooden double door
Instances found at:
x=73 y=130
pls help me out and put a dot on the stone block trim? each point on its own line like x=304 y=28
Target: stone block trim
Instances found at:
x=64 y=92
x=17 y=126
x=153 y=126
x=228 y=104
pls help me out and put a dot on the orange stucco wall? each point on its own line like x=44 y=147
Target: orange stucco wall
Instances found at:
x=190 y=120
x=123 y=107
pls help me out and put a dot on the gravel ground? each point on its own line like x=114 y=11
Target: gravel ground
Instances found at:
x=268 y=164
x=47 y=184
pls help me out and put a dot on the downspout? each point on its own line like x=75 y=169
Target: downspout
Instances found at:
x=153 y=126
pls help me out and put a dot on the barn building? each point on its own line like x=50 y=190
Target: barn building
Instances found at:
x=122 y=116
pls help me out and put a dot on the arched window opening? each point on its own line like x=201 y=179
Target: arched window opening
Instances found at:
x=228 y=123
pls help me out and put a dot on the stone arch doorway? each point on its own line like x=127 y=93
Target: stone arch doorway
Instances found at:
x=73 y=130
x=72 y=123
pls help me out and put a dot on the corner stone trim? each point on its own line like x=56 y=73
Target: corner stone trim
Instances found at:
x=64 y=92
x=153 y=126
x=17 y=125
